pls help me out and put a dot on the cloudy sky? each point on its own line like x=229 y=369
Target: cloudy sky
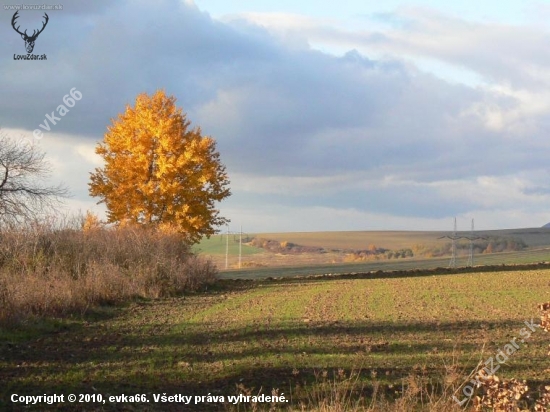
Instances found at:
x=350 y=115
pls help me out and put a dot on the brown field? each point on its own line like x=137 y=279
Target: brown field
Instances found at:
x=533 y=237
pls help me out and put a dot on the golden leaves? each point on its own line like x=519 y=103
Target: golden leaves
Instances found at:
x=159 y=171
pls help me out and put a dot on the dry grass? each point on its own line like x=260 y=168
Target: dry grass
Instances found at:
x=349 y=393
x=47 y=270
x=342 y=392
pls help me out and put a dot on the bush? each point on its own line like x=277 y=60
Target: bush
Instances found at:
x=53 y=271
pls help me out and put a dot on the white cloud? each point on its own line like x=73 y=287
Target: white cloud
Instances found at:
x=376 y=135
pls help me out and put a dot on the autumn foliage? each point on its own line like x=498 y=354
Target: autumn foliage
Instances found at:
x=160 y=172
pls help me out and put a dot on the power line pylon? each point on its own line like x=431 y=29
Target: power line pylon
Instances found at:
x=454 y=238
x=471 y=239
x=452 y=263
x=471 y=255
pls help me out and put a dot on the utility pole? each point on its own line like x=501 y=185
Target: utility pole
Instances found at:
x=471 y=257
x=227 y=248
x=452 y=263
x=240 y=233
x=240 y=245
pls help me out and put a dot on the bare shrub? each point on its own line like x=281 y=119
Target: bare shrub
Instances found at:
x=52 y=269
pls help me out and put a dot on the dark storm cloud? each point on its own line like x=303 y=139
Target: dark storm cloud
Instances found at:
x=273 y=108
x=277 y=107
x=113 y=54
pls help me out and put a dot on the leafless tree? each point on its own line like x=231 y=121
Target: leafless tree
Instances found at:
x=24 y=193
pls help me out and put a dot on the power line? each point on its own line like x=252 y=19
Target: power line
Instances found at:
x=454 y=238
x=227 y=249
x=240 y=233
x=471 y=238
x=240 y=245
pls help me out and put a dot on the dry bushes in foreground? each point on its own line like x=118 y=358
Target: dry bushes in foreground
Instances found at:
x=52 y=271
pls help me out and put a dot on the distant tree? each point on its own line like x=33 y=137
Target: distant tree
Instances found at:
x=489 y=248
x=90 y=222
x=160 y=172
x=23 y=194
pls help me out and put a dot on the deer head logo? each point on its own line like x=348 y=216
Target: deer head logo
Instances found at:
x=29 y=40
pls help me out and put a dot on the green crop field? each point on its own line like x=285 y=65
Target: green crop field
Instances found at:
x=294 y=336
x=217 y=245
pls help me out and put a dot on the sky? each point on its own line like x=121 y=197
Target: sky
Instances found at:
x=350 y=115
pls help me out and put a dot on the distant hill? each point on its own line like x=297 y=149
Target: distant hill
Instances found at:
x=393 y=240
x=547 y=226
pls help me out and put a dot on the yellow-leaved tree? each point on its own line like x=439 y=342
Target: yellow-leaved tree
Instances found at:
x=160 y=172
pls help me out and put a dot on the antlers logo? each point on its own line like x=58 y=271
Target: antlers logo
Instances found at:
x=29 y=40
